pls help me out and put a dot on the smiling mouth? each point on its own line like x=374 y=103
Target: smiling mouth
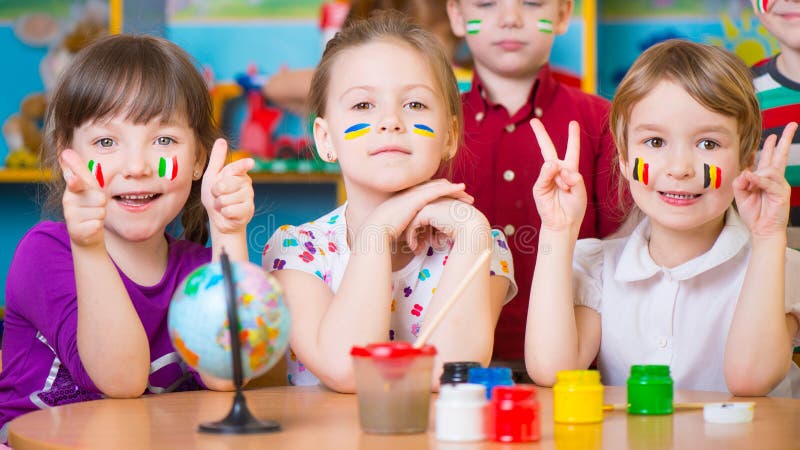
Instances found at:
x=136 y=199
x=394 y=150
x=679 y=196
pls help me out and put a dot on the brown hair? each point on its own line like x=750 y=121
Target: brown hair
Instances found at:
x=145 y=77
x=388 y=25
x=715 y=78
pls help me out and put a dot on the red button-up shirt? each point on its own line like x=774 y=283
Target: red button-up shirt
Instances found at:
x=499 y=164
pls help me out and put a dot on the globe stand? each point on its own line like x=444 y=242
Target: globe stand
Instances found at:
x=239 y=420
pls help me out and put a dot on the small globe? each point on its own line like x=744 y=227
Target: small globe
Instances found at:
x=198 y=320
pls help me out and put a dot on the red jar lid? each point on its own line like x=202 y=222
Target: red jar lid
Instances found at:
x=516 y=393
x=391 y=350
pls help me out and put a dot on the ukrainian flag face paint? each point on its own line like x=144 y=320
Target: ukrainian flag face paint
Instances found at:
x=356 y=130
x=641 y=171
x=712 y=176
x=423 y=130
x=97 y=172
x=168 y=168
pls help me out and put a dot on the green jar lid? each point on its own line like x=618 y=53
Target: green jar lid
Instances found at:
x=650 y=371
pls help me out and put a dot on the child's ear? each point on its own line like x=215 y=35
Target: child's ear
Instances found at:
x=200 y=165
x=564 y=14
x=623 y=165
x=457 y=22
x=323 y=141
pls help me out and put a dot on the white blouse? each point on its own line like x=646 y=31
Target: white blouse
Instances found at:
x=679 y=316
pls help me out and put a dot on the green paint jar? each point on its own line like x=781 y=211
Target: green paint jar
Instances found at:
x=650 y=390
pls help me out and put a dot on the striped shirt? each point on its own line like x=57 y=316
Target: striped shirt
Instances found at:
x=779 y=98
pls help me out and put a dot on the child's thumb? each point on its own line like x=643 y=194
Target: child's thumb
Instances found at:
x=216 y=160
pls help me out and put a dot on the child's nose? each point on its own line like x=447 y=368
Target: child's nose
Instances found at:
x=136 y=165
x=510 y=15
x=391 y=122
x=681 y=164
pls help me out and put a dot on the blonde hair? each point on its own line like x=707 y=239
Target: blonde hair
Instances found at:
x=144 y=77
x=389 y=25
x=715 y=78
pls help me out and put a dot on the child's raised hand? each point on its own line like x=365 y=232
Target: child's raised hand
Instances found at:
x=559 y=192
x=762 y=197
x=227 y=191
x=84 y=201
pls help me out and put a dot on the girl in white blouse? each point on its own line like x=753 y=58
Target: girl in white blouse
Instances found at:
x=700 y=285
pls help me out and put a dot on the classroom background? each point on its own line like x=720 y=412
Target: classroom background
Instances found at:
x=240 y=43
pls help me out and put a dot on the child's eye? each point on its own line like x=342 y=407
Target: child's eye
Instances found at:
x=415 y=106
x=654 y=142
x=708 y=144
x=165 y=140
x=362 y=106
x=104 y=142
x=484 y=4
x=531 y=3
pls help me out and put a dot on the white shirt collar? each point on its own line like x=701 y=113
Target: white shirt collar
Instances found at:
x=636 y=264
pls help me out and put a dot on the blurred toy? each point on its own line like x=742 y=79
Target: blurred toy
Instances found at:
x=331 y=18
x=261 y=120
x=87 y=22
x=22 y=132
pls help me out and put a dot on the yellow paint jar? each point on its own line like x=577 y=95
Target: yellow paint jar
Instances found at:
x=578 y=397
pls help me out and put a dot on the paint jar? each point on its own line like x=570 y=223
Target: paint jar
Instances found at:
x=514 y=414
x=490 y=377
x=650 y=390
x=584 y=436
x=393 y=384
x=457 y=372
x=578 y=397
x=460 y=412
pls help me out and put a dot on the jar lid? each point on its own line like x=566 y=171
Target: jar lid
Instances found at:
x=736 y=412
x=457 y=371
x=462 y=392
x=491 y=375
x=578 y=376
x=391 y=350
x=519 y=392
x=652 y=369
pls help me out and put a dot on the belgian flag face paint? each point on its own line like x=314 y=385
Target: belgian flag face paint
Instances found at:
x=712 y=176
x=640 y=171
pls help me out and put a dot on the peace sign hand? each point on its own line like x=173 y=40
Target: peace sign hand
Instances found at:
x=762 y=197
x=227 y=191
x=84 y=201
x=559 y=192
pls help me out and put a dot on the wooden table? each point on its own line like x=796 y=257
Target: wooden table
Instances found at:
x=315 y=418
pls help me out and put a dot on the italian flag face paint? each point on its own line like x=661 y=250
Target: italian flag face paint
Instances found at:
x=712 y=176
x=762 y=6
x=640 y=171
x=168 y=168
x=473 y=26
x=545 y=26
x=97 y=172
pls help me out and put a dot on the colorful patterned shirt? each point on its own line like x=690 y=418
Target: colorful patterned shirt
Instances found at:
x=320 y=248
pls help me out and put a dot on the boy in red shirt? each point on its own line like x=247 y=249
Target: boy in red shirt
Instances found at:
x=510 y=41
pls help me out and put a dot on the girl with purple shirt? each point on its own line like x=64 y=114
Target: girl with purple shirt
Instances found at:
x=87 y=297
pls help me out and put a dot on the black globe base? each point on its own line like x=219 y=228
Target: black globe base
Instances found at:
x=240 y=421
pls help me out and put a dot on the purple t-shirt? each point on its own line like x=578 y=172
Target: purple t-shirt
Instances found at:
x=41 y=365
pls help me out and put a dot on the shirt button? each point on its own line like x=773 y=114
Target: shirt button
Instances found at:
x=538 y=111
x=479 y=116
x=509 y=229
x=661 y=341
x=511 y=127
x=509 y=175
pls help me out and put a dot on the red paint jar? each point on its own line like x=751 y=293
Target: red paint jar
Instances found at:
x=514 y=414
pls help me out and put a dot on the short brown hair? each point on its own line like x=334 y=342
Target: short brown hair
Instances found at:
x=145 y=77
x=388 y=25
x=715 y=78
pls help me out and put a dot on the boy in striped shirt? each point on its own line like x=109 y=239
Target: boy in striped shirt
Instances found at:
x=777 y=83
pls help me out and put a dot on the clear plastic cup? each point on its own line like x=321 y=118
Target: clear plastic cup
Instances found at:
x=393 y=384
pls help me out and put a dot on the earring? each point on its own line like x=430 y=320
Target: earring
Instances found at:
x=196 y=173
x=331 y=158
